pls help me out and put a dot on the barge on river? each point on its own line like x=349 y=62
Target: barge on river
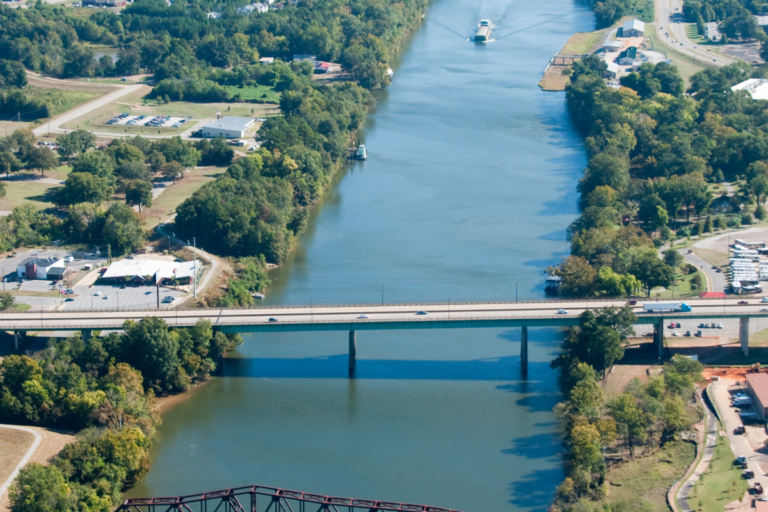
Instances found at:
x=360 y=154
x=483 y=33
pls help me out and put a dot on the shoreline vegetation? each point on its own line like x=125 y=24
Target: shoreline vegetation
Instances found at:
x=106 y=390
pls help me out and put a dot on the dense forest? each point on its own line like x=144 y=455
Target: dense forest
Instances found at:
x=107 y=388
x=608 y=12
x=653 y=154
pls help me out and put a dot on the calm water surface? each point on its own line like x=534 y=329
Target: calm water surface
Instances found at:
x=468 y=190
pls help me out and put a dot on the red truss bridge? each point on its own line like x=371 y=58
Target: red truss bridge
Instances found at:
x=258 y=498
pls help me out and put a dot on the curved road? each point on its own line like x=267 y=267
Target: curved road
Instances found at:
x=24 y=460
x=670 y=27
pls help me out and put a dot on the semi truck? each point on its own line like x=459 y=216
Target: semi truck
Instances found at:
x=666 y=306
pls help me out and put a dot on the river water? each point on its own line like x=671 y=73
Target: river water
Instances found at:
x=466 y=196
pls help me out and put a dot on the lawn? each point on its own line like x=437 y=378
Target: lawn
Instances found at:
x=582 y=42
x=721 y=483
x=686 y=66
x=642 y=483
x=61 y=100
x=165 y=204
x=13 y=445
x=683 y=287
x=138 y=103
x=259 y=92
x=20 y=192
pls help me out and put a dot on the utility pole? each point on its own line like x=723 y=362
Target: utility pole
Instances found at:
x=109 y=253
x=194 y=265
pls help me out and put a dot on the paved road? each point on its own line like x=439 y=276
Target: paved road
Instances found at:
x=379 y=316
x=55 y=124
x=709 y=450
x=670 y=28
x=716 y=279
x=25 y=459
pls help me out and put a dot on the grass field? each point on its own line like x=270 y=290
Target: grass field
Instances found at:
x=61 y=100
x=721 y=483
x=686 y=66
x=20 y=192
x=13 y=445
x=165 y=204
x=137 y=103
x=260 y=92
x=683 y=287
x=582 y=42
x=642 y=483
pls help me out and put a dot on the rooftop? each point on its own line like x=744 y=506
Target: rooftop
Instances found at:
x=634 y=25
x=162 y=269
x=756 y=87
x=231 y=123
x=40 y=262
x=759 y=383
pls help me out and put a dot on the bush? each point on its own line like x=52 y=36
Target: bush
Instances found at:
x=746 y=219
x=696 y=282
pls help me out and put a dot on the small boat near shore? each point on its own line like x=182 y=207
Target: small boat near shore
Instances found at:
x=361 y=153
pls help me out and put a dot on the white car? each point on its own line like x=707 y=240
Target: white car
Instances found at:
x=362 y=317
x=675 y=333
x=69 y=259
x=106 y=296
x=97 y=294
x=719 y=326
x=562 y=312
x=765 y=299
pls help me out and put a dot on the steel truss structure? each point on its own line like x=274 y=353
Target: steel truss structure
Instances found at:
x=258 y=498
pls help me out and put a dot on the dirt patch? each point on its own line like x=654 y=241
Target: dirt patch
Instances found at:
x=554 y=79
x=622 y=374
x=730 y=373
x=13 y=445
x=69 y=85
x=52 y=443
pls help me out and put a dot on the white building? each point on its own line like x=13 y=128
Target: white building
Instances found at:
x=151 y=271
x=214 y=15
x=713 y=31
x=38 y=268
x=633 y=28
x=266 y=60
x=248 y=9
x=229 y=127
x=756 y=87
x=613 y=46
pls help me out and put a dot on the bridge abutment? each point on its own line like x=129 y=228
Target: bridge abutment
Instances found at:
x=352 y=351
x=744 y=334
x=524 y=350
x=87 y=334
x=18 y=337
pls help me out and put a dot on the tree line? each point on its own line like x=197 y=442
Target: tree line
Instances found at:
x=106 y=389
x=653 y=154
x=645 y=415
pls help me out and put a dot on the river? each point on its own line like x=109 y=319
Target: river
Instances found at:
x=466 y=195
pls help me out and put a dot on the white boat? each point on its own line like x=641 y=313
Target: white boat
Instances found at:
x=257 y=295
x=361 y=154
x=483 y=33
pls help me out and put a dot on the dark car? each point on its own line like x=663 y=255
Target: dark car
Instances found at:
x=633 y=303
x=743 y=302
x=677 y=325
x=69 y=299
x=273 y=319
x=122 y=287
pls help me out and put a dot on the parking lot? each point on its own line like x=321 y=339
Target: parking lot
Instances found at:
x=149 y=121
x=114 y=298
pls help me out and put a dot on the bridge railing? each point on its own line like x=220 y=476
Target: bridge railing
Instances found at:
x=257 y=498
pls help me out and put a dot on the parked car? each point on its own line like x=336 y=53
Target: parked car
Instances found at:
x=97 y=294
x=720 y=326
x=675 y=333
x=168 y=299
x=688 y=334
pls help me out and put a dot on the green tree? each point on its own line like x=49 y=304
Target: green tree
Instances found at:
x=629 y=418
x=42 y=158
x=138 y=192
x=98 y=163
x=122 y=228
x=173 y=170
x=152 y=350
x=75 y=143
x=41 y=488
x=83 y=187
x=652 y=272
x=673 y=258
x=7 y=300
x=9 y=163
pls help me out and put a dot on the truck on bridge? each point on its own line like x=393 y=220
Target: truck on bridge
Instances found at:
x=666 y=306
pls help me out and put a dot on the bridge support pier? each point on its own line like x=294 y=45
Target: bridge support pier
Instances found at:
x=744 y=334
x=524 y=350
x=658 y=337
x=18 y=337
x=352 y=351
x=86 y=334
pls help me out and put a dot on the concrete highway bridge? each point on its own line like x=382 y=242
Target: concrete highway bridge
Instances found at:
x=353 y=318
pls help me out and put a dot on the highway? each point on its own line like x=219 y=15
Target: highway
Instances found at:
x=669 y=20
x=388 y=316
